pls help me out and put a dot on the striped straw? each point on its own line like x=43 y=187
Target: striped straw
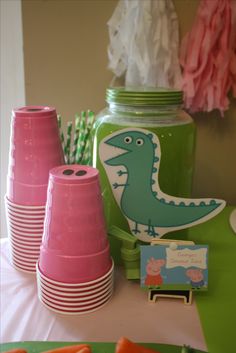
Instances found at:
x=61 y=132
x=82 y=138
x=90 y=119
x=87 y=154
x=81 y=145
x=68 y=142
x=76 y=137
x=59 y=121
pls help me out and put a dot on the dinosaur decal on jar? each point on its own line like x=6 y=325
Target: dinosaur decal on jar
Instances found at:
x=132 y=158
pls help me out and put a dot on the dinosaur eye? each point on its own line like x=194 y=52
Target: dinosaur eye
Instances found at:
x=139 y=142
x=128 y=139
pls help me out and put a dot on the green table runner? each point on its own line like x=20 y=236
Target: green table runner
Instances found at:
x=217 y=307
x=37 y=347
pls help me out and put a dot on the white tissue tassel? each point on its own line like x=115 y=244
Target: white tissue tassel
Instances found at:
x=144 y=43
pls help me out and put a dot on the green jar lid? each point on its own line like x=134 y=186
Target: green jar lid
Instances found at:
x=144 y=96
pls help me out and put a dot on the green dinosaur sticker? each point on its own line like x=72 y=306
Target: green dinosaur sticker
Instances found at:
x=131 y=158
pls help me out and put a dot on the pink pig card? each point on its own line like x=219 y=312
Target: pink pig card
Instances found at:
x=171 y=268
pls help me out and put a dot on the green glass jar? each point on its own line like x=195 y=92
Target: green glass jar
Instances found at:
x=158 y=111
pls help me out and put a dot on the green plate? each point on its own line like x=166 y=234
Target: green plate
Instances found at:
x=141 y=90
x=97 y=347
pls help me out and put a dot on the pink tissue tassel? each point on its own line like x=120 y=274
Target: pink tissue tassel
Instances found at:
x=208 y=57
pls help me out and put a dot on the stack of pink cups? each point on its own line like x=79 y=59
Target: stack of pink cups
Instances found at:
x=25 y=228
x=75 y=269
x=35 y=148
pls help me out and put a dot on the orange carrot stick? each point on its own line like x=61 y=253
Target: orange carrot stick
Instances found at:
x=76 y=348
x=16 y=350
x=85 y=350
x=126 y=346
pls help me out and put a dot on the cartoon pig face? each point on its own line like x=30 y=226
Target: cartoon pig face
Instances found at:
x=154 y=266
x=195 y=275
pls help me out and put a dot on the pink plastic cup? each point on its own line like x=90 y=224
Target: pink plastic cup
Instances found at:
x=30 y=209
x=75 y=246
x=74 y=269
x=77 y=287
x=24 y=235
x=27 y=239
x=26 y=244
x=75 y=303
x=24 y=249
x=26 y=224
x=90 y=293
x=22 y=267
x=25 y=217
x=74 y=311
x=35 y=148
x=27 y=231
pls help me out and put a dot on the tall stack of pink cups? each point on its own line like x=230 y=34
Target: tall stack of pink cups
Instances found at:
x=75 y=270
x=35 y=148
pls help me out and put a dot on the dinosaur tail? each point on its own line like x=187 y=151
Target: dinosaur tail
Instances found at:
x=193 y=213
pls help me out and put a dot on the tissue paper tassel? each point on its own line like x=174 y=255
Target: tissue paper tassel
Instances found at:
x=144 y=43
x=208 y=57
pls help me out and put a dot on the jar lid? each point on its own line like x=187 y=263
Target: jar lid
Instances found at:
x=144 y=96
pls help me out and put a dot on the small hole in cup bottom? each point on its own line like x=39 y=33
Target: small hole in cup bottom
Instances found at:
x=34 y=110
x=68 y=171
x=81 y=172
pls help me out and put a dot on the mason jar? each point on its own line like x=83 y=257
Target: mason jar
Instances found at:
x=160 y=112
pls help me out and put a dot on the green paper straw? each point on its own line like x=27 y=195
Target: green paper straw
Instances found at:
x=76 y=137
x=90 y=119
x=87 y=153
x=86 y=159
x=81 y=144
x=59 y=121
x=68 y=142
x=81 y=139
x=61 y=132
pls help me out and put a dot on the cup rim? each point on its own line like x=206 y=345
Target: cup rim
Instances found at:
x=24 y=260
x=29 y=250
x=25 y=226
x=13 y=218
x=79 y=307
x=25 y=236
x=81 y=284
x=17 y=205
x=27 y=255
x=23 y=263
x=23 y=257
x=28 y=245
x=23 y=268
x=64 y=312
x=74 y=291
x=24 y=212
x=30 y=231
x=77 y=295
x=25 y=215
x=75 y=301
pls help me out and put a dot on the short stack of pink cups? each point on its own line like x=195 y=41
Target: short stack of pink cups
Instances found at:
x=75 y=269
x=35 y=148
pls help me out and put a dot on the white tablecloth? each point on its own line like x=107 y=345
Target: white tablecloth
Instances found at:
x=24 y=318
